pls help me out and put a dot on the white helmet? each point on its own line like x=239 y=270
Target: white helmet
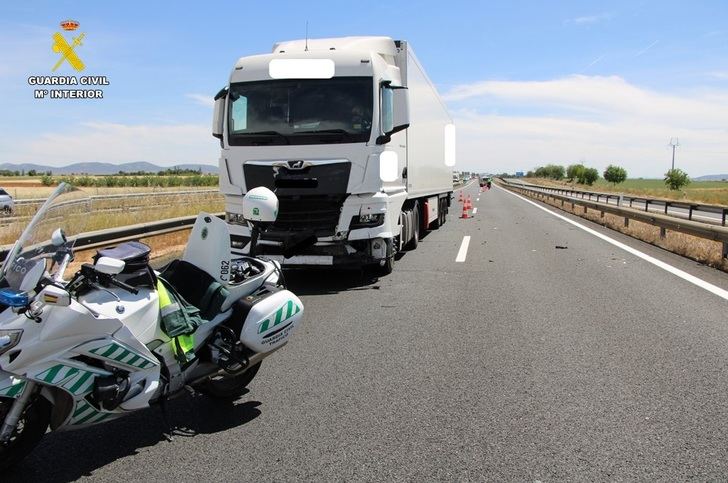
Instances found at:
x=260 y=204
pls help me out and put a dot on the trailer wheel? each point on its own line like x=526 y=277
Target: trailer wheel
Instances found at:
x=412 y=244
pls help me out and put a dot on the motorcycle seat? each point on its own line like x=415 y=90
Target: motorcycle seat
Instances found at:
x=197 y=287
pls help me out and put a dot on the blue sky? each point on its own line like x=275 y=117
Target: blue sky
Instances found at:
x=528 y=82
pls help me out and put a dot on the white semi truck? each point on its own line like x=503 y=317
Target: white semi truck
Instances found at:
x=353 y=138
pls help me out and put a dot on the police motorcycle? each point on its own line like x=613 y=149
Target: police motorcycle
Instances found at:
x=119 y=336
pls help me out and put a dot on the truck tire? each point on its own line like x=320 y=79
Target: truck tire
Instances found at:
x=440 y=215
x=412 y=244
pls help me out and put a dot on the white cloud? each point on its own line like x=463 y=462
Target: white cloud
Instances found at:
x=601 y=120
x=644 y=50
x=719 y=75
x=202 y=99
x=589 y=19
x=165 y=145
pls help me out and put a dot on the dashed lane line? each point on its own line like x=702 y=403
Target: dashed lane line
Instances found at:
x=463 y=252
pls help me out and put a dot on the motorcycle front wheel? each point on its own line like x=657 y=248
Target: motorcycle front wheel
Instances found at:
x=31 y=428
x=230 y=387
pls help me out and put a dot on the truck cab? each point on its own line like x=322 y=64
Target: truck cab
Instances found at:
x=323 y=123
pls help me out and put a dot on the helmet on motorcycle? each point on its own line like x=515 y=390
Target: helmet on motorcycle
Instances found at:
x=260 y=204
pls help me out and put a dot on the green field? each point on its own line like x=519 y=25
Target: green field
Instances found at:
x=707 y=192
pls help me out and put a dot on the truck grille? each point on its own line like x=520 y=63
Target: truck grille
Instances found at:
x=317 y=213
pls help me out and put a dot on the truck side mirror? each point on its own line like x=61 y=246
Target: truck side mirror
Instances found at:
x=394 y=111
x=218 y=113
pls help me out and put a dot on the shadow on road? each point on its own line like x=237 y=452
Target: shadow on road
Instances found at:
x=329 y=281
x=68 y=456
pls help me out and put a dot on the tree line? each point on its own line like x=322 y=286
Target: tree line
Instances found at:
x=123 y=181
x=674 y=178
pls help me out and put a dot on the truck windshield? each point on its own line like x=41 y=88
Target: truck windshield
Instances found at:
x=306 y=111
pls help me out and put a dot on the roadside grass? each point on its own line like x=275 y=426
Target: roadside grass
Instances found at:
x=706 y=192
x=707 y=252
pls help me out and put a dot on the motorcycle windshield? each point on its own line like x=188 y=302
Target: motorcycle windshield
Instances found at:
x=67 y=209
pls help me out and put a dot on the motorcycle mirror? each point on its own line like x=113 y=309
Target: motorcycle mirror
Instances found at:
x=58 y=238
x=109 y=266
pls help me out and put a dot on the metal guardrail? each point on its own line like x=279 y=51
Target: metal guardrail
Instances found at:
x=691 y=208
x=664 y=222
x=113 y=236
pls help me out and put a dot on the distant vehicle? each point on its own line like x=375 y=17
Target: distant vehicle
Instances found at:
x=455 y=179
x=486 y=181
x=7 y=205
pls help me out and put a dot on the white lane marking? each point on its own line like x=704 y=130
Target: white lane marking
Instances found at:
x=475 y=210
x=665 y=266
x=477 y=199
x=463 y=252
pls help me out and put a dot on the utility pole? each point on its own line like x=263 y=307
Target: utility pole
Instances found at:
x=674 y=145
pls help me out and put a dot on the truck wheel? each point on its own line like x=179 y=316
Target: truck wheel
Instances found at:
x=31 y=428
x=230 y=387
x=412 y=244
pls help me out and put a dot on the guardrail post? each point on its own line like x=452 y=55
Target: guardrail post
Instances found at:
x=626 y=221
x=630 y=202
x=663 y=232
x=601 y=215
x=725 y=249
x=562 y=203
x=690 y=213
x=585 y=209
x=666 y=206
x=725 y=211
x=647 y=205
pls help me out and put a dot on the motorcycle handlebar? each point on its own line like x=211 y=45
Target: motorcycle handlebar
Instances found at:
x=123 y=285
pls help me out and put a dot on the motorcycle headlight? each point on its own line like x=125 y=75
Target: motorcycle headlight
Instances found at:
x=9 y=339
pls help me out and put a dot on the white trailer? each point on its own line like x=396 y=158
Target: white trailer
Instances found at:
x=351 y=135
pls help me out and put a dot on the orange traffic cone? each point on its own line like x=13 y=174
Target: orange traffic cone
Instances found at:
x=465 y=210
x=470 y=203
x=460 y=199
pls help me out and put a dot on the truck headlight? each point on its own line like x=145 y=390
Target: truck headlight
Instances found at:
x=9 y=339
x=368 y=220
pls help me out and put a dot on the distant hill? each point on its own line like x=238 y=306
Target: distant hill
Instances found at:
x=711 y=177
x=96 y=168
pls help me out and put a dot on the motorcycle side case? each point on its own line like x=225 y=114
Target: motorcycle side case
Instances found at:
x=270 y=317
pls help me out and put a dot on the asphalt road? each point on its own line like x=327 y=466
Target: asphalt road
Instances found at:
x=524 y=362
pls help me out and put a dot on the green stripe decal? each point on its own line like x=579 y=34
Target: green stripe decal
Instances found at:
x=133 y=360
x=79 y=383
x=70 y=373
x=112 y=348
x=52 y=372
x=123 y=354
x=86 y=418
x=83 y=406
x=15 y=390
